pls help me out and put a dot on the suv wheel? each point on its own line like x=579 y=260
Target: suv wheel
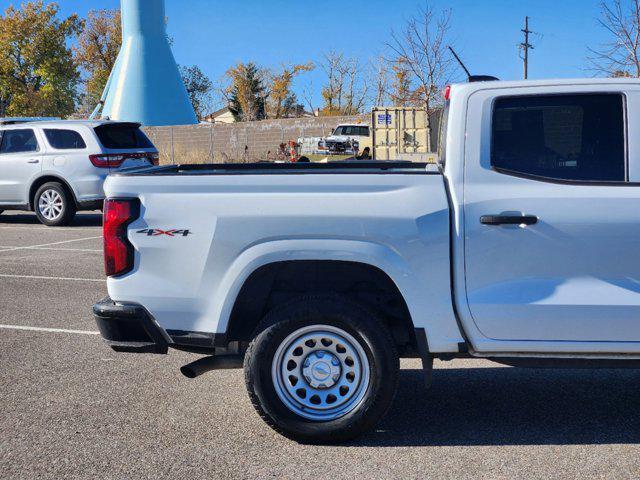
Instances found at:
x=53 y=205
x=322 y=370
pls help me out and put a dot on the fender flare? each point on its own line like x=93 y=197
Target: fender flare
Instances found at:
x=258 y=255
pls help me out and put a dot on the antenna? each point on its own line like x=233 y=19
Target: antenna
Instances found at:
x=455 y=55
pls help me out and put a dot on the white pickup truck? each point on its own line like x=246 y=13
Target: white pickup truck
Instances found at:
x=522 y=247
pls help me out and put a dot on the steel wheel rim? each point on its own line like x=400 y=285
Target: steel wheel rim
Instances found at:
x=50 y=204
x=320 y=372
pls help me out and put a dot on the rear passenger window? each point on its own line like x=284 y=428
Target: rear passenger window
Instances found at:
x=122 y=136
x=64 y=139
x=18 y=141
x=564 y=137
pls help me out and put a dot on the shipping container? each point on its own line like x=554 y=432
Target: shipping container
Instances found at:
x=400 y=133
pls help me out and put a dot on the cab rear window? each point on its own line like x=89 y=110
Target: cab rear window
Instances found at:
x=122 y=137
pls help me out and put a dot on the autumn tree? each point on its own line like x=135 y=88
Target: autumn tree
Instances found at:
x=247 y=95
x=282 y=101
x=199 y=88
x=401 y=92
x=421 y=48
x=97 y=50
x=346 y=88
x=620 y=56
x=38 y=75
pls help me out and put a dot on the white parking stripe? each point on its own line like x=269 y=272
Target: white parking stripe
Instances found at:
x=38 y=277
x=50 y=229
x=34 y=247
x=49 y=330
x=10 y=247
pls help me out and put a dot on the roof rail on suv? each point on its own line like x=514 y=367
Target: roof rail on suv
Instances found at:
x=15 y=120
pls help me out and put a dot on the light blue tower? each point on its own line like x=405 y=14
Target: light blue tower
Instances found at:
x=145 y=85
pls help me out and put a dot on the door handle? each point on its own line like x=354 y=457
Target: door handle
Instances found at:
x=508 y=219
x=34 y=160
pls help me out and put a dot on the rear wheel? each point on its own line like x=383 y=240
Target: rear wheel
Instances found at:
x=54 y=205
x=322 y=370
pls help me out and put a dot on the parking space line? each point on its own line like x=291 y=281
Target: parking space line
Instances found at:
x=49 y=330
x=34 y=247
x=52 y=230
x=40 y=277
x=11 y=247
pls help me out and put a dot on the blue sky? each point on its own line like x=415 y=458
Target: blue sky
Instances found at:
x=215 y=34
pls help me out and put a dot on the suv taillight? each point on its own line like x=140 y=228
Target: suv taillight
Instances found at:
x=107 y=161
x=115 y=160
x=118 y=251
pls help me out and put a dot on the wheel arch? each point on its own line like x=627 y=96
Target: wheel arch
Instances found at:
x=46 y=178
x=371 y=274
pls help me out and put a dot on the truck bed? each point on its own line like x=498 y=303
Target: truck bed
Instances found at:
x=268 y=168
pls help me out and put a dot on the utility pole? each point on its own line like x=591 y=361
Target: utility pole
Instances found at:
x=525 y=47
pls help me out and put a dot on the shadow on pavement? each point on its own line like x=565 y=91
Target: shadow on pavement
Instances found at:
x=512 y=406
x=25 y=218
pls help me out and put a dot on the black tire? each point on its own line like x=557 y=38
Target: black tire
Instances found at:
x=68 y=212
x=371 y=334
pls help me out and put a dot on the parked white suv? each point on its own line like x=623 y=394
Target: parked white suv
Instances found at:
x=58 y=167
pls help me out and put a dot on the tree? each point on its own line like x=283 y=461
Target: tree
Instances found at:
x=381 y=80
x=346 y=88
x=97 y=50
x=421 y=49
x=247 y=93
x=282 y=102
x=401 y=93
x=620 y=57
x=199 y=87
x=38 y=76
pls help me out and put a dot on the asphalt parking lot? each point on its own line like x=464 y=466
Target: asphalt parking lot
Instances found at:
x=72 y=408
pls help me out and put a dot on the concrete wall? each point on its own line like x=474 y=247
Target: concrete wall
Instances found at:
x=241 y=142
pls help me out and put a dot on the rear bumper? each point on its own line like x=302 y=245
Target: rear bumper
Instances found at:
x=90 y=204
x=128 y=327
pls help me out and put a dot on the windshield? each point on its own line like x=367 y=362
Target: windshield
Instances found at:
x=361 y=131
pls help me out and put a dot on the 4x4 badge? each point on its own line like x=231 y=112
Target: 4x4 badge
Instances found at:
x=156 y=232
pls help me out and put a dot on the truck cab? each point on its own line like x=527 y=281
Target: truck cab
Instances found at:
x=544 y=179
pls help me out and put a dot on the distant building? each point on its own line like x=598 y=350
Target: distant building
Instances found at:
x=223 y=115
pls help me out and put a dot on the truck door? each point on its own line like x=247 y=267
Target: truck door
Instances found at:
x=551 y=218
x=20 y=161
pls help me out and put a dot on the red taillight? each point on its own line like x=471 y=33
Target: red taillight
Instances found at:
x=115 y=160
x=447 y=92
x=118 y=251
x=107 y=161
